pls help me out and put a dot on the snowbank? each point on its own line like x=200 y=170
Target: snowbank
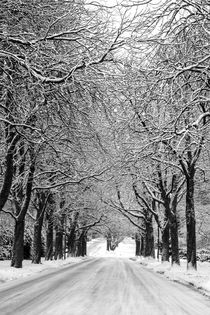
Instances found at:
x=8 y=273
x=199 y=279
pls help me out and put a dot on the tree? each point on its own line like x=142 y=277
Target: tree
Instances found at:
x=21 y=204
x=49 y=228
x=190 y=86
x=175 y=108
x=46 y=54
x=40 y=203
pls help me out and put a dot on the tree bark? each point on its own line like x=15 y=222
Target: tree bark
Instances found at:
x=49 y=231
x=170 y=204
x=8 y=176
x=42 y=200
x=149 y=238
x=142 y=250
x=22 y=201
x=82 y=245
x=174 y=242
x=158 y=242
x=109 y=242
x=72 y=243
x=18 y=245
x=138 y=244
x=72 y=236
x=12 y=139
x=37 y=243
x=49 y=239
x=58 y=243
x=174 y=233
x=37 y=240
x=191 y=223
x=165 y=243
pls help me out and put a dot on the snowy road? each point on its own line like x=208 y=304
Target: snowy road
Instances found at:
x=100 y=286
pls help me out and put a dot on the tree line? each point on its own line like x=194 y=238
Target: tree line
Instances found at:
x=104 y=111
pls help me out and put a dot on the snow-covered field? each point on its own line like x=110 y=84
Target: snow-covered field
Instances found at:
x=126 y=249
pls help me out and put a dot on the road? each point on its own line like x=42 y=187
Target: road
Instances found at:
x=101 y=286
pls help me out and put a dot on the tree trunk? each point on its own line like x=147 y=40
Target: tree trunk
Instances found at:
x=41 y=198
x=84 y=245
x=21 y=208
x=174 y=234
x=59 y=243
x=49 y=239
x=138 y=244
x=191 y=224
x=158 y=242
x=37 y=240
x=149 y=238
x=72 y=236
x=165 y=243
x=72 y=243
x=49 y=232
x=81 y=245
x=11 y=137
x=18 y=245
x=142 y=250
x=109 y=242
x=8 y=176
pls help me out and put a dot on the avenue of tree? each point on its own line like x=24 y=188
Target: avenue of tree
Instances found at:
x=104 y=124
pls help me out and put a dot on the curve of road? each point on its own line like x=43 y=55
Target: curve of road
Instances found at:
x=101 y=286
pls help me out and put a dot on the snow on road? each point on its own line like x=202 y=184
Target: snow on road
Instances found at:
x=97 y=248
x=105 y=283
x=113 y=285
x=105 y=286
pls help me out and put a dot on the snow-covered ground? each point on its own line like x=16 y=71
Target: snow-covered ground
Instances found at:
x=199 y=279
x=126 y=249
x=105 y=286
x=97 y=248
x=8 y=273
